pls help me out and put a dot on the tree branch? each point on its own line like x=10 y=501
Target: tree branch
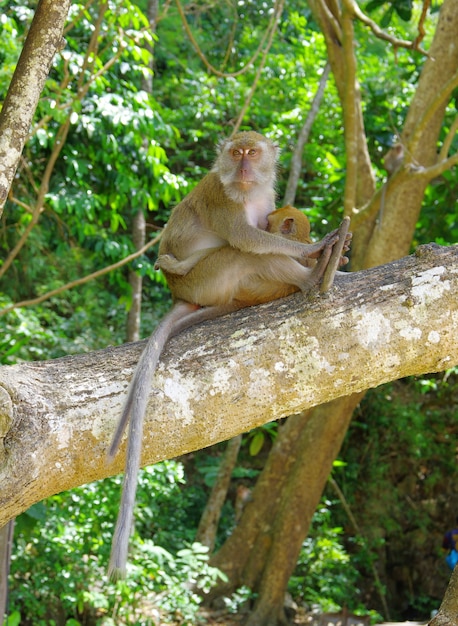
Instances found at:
x=352 y=6
x=43 y=40
x=211 y=68
x=296 y=161
x=227 y=376
x=349 y=112
x=81 y=281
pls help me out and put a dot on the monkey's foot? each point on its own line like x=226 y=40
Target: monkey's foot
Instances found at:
x=337 y=258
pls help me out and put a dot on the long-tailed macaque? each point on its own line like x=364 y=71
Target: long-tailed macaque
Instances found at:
x=226 y=216
x=393 y=159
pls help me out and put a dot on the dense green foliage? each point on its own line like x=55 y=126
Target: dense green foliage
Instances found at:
x=124 y=149
x=68 y=539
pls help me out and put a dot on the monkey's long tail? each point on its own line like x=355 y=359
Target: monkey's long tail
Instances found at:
x=135 y=407
x=181 y=316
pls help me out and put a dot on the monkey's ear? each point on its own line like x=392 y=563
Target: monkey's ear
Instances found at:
x=288 y=226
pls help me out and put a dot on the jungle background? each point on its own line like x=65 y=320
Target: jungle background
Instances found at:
x=127 y=123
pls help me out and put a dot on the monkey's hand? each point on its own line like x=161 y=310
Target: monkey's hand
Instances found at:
x=169 y=263
x=314 y=250
x=346 y=247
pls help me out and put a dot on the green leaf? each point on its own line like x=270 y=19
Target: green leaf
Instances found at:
x=256 y=443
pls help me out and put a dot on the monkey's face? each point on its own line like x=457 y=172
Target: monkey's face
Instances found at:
x=289 y=222
x=246 y=162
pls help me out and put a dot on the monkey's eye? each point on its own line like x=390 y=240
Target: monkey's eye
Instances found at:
x=252 y=152
x=236 y=153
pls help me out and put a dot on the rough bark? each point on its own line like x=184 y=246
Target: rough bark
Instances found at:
x=228 y=375
x=448 y=612
x=315 y=452
x=43 y=40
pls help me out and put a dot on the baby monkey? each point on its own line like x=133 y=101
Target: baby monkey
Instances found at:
x=218 y=237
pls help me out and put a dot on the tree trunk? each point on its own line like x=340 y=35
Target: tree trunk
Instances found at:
x=448 y=612
x=314 y=454
x=241 y=557
x=44 y=39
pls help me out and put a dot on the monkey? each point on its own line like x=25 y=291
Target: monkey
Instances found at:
x=393 y=159
x=242 y=497
x=293 y=224
x=392 y=162
x=225 y=216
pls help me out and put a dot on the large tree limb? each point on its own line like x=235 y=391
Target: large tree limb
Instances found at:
x=228 y=376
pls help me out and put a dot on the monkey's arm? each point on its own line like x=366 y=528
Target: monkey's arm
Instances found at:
x=247 y=238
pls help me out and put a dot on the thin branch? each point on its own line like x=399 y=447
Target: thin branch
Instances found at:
x=331 y=20
x=296 y=161
x=356 y=12
x=231 y=39
x=350 y=115
x=421 y=25
x=61 y=137
x=204 y=59
x=448 y=140
x=372 y=208
x=276 y=17
x=81 y=281
x=435 y=170
x=78 y=16
x=23 y=205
